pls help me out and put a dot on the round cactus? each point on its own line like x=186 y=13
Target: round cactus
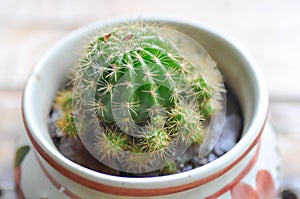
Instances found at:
x=145 y=96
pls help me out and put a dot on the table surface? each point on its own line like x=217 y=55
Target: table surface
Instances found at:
x=268 y=29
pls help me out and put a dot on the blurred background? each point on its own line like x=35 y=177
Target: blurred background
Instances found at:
x=268 y=29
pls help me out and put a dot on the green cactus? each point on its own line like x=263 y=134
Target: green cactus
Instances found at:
x=63 y=102
x=144 y=93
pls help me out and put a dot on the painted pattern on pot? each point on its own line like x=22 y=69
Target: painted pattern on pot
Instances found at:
x=265 y=188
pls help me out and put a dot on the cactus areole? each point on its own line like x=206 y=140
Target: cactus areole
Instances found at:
x=141 y=96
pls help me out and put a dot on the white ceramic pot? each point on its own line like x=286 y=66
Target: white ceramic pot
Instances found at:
x=248 y=170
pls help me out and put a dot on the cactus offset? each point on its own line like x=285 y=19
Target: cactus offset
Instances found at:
x=63 y=102
x=145 y=94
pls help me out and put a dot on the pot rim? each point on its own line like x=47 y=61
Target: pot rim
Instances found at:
x=193 y=177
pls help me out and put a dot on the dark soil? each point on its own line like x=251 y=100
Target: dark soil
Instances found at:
x=74 y=150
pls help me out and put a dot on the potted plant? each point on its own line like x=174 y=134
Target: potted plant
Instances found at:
x=140 y=97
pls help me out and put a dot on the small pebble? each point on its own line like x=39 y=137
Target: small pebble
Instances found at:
x=230 y=132
x=203 y=161
x=187 y=168
x=195 y=162
x=212 y=157
x=218 y=151
x=181 y=166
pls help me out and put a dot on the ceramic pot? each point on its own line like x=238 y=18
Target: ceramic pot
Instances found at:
x=248 y=170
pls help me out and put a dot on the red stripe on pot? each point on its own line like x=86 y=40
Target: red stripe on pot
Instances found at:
x=132 y=191
x=225 y=189
x=238 y=178
x=59 y=187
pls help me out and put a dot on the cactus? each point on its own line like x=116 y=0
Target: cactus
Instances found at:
x=146 y=96
x=63 y=102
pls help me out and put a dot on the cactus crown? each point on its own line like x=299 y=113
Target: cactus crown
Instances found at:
x=146 y=97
